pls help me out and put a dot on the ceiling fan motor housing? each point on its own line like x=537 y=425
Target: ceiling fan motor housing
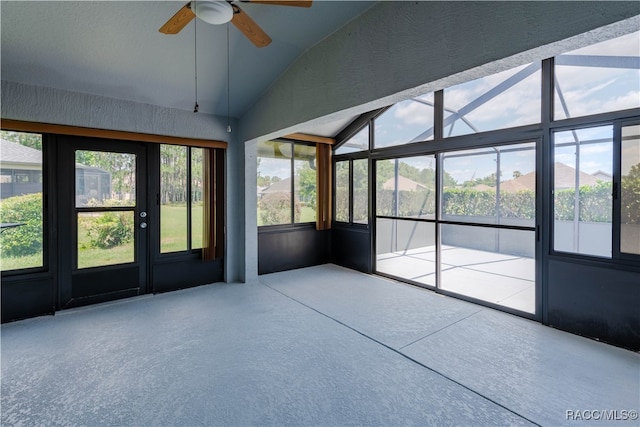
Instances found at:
x=213 y=11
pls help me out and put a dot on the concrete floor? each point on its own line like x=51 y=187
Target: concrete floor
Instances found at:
x=506 y=280
x=316 y=346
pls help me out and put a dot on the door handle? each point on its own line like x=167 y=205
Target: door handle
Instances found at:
x=143 y=225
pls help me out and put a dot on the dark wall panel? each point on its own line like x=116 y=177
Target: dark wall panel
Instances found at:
x=351 y=248
x=595 y=301
x=181 y=274
x=23 y=298
x=288 y=249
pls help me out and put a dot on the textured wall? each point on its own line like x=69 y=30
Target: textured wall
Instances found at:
x=397 y=50
x=48 y=105
x=251 y=211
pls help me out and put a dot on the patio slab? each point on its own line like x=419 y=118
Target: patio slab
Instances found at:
x=364 y=302
x=239 y=354
x=536 y=370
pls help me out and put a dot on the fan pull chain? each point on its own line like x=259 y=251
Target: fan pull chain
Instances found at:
x=195 y=61
x=228 y=85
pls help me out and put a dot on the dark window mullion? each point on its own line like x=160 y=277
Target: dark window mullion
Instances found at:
x=189 y=200
x=293 y=185
x=350 y=215
x=438 y=115
x=616 y=222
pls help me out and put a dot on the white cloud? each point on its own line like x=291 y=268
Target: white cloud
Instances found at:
x=411 y=112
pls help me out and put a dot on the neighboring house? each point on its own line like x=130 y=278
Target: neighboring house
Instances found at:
x=282 y=186
x=21 y=173
x=20 y=169
x=404 y=184
x=602 y=176
x=564 y=178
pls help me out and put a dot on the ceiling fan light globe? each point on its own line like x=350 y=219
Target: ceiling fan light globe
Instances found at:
x=213 y=12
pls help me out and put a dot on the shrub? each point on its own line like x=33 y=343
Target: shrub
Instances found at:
x=467 y=201
x=595 y=203
x=26 y=239
x=521 y=204
x=110 y=229
x=631 y=196
x=275 y=208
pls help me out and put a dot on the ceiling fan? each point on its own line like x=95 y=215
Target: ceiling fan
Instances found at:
x=222 y=11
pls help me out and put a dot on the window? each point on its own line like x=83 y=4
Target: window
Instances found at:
x=494 y=102
x=21 y=209
x=583 y=176
x=407 y=121
x=358 y=142
x=304 y=182
x=405 y=194
x=361 y=191
x=406 y=187
x=105 y=185
x=352 y=191
x=599 y=78
x=342 y=191
x=181 y=198
x=630 y=191
x=286 y=183
x=495 y=185
x=197 y=197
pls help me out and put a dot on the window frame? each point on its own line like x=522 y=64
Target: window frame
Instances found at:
x=47 y=189
x=552 y=250
x=292 y=223
x=616 y=240
x=189 y=204
x=350 y=158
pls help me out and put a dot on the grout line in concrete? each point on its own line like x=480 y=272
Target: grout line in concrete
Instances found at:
x=417 y=362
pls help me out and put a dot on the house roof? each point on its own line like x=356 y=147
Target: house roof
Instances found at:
x=404 y=184
x=282 y=186
x=564 y=176
x=12 y=152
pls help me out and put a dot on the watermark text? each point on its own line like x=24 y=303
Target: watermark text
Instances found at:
x=601 y=414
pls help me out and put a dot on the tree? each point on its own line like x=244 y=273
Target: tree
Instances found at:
x=489 y=180
x=173 y=174
x=307 y=185
x=631 y=196
x=33 y=140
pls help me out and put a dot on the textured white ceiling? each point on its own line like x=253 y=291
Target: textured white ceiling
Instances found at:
x=114 y=49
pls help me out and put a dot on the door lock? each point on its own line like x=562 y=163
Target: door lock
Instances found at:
x=143 y=214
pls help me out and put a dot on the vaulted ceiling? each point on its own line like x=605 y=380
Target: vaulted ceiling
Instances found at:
x=114 y=49
x=326 y=64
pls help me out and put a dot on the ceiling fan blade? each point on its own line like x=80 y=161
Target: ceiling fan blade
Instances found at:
x=178 y=21
x=283 y=2
x=249 y=28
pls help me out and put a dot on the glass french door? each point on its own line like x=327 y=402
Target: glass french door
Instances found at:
x=104 y=221
x=461 y=222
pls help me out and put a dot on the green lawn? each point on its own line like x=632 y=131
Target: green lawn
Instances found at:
x=14 y=263
x=173 y=228
x=173 y=237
